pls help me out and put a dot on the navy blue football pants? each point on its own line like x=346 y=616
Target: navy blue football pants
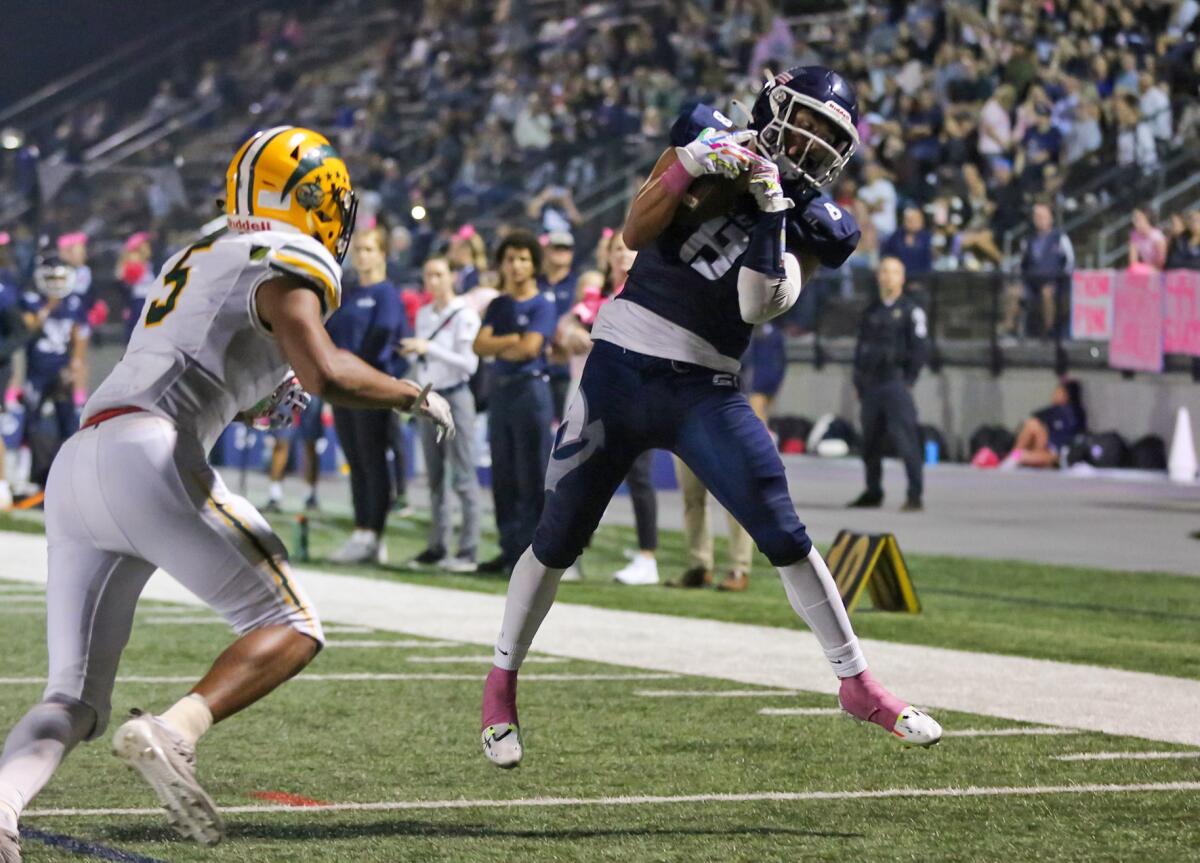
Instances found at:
x=628 y=403
x=520 y=413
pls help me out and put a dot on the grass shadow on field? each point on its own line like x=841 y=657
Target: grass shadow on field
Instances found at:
x=425 y=829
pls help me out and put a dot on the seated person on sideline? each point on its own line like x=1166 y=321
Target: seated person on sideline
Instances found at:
x=1050 y=430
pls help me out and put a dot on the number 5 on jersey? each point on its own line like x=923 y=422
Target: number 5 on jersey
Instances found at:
x=177 y=278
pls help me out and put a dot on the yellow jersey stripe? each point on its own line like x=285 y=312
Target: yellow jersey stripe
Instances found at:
x=306 y=269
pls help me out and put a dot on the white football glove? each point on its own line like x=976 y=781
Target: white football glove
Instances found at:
x=715 y=152
x=766 y=187
x=279 y=409
x=435 y=409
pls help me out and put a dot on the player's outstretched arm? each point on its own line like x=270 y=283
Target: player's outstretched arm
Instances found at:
x=293 y=312
x=654 y=205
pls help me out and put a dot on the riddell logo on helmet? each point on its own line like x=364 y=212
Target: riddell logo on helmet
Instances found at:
x=247 y=224
x=839 y=110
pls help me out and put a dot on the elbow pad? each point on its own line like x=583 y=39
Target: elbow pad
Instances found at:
x=763 y=297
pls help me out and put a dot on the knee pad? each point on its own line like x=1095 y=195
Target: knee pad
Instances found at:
x=557 y=546
x=65 y=719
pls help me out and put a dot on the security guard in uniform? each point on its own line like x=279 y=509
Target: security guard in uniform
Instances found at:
x=890 y=352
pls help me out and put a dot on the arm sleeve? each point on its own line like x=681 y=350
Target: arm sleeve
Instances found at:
x=763 y=297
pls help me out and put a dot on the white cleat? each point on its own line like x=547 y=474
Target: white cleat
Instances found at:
x=502 y=745
x=917 y=728
x=639 y=572
x=10 y=847
x=168 y=764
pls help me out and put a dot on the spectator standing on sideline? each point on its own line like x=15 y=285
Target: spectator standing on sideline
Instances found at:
x=442 y=354
x=1147 y=244
x=887 y=359
x=516 y=329
x=136 y=274
x=1047 y=262
x=698 y=537
x=73 y=251
x=369 y=323
x=912 y=244
x=558 y=281
x=308 y=428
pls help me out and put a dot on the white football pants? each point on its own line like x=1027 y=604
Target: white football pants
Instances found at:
x=129 y=496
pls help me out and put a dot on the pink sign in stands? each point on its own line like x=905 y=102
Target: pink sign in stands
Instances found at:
x=1137 y=333
x=1091 y=304
x=1181 y=312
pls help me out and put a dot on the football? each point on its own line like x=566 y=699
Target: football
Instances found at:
x=710 y=196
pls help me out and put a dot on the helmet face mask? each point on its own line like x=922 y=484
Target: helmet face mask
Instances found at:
x=811 y=139
x=53 y=278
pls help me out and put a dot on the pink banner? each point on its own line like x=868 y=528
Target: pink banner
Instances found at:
x=1091 y=304
x=1181 y=312
x=1137 y=334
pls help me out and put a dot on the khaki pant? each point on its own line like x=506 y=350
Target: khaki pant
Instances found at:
x=695 y=526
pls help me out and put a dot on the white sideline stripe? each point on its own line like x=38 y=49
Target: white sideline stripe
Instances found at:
x=1009 y=732
x=483 y=659
x=22 y=609
x=180 y=620
x=346 y=629
x=1125 y=756
x=646 y=800
x=800 y=711
x=716 y=693
x=367 y=677
x=1020 y=689
x=399 y=643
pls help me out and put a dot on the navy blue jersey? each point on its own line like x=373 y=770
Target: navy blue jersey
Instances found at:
x=369 y=322
x=11 y=327
x=507 y=316
x=562 y=292
x=49 y=352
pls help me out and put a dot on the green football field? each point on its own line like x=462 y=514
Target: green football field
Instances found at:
x=624 y=764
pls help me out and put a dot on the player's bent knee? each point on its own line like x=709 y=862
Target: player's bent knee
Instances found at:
x=557 y=551
x=783 y=547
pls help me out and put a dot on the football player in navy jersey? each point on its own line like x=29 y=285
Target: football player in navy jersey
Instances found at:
x=663 y=373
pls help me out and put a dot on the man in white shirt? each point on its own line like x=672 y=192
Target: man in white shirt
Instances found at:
x=1155 y=106
x=879 y=194
x=442 y=355
x=995 y=123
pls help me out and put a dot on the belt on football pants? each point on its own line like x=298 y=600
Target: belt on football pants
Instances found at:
x=110 y=413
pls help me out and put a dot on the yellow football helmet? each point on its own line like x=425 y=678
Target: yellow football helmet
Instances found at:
x=292 y=176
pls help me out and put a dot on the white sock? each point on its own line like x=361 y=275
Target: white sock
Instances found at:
x=531 y=591
x=276 y=491
x=814 y=596
x=189 y=716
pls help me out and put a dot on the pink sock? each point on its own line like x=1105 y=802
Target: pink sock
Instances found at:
x=864 y=697
x=500 y=697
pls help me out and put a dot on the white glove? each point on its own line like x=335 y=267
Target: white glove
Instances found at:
x=435 y=409
x=716 y=152
x=279 y=409
x=765 y=185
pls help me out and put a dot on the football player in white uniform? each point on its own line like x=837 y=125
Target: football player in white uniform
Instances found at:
x=132 y=490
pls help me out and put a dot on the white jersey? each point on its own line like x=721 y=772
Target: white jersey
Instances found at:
x=200 y=355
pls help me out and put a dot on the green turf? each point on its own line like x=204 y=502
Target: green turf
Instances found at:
x=1135 y=621
x=371 y=741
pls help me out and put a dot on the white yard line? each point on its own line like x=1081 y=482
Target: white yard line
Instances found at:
x=482 y=660
x=716 y=693
x=180 y=620
x=801 y=711
x=365 y=677
x=346 y=629
x=399 y=643
x=652 y=800
x=1037 y=691
x=1010 y=732
x=1126 y=756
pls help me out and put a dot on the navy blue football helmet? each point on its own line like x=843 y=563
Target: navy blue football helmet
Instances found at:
x=807 y=120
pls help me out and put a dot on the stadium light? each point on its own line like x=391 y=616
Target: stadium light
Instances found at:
x=418 y=212
x=11 y=139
